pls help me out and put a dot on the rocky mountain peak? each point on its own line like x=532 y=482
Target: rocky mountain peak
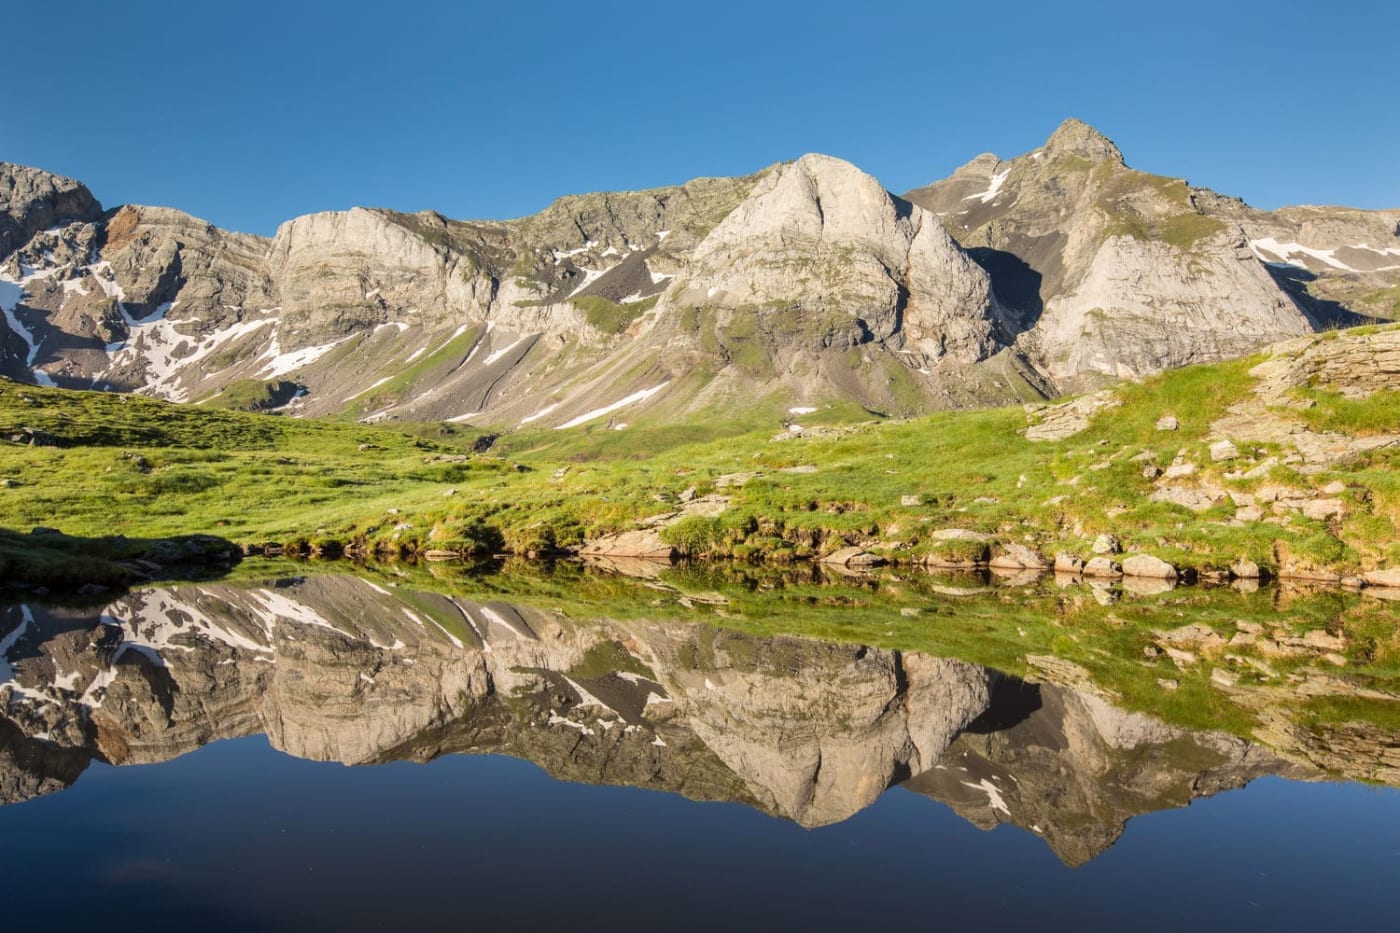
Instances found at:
x=980 y=167
x=823 y=252
x=32 y=200
x=1077 y=139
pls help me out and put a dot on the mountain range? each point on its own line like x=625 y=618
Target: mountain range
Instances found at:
x=804 y=285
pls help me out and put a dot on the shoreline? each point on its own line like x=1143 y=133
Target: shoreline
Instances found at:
x=93 y=566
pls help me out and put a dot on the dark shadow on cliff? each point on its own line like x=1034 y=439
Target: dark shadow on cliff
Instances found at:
x=49 y=563
x=1017 y=286
x=1321 y=313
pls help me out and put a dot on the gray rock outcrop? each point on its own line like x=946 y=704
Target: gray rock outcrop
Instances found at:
x=1112 y=272
x=32 y=200
x=821 y=250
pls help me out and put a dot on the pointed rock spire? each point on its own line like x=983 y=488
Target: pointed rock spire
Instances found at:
x=1077 y=138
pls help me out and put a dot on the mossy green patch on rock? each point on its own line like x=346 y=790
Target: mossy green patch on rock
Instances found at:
x=253 y=395
x=612 y=317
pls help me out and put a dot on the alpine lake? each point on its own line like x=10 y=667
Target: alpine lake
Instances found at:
x=332 y=746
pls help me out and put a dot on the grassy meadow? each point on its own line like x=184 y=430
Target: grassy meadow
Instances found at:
x=143 y=468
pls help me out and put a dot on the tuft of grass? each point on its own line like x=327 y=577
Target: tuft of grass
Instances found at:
x=1377 y=413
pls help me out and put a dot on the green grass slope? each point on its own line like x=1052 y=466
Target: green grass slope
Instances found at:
x=142 y=467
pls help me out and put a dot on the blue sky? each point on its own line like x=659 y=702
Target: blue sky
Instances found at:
x=250 y=113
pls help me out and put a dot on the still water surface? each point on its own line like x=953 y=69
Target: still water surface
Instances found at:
x=714 y=781
x=239 y=836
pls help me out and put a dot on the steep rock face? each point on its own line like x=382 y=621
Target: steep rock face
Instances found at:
x=1142 y=306
x=1111 y=272
x=147 y=299
x=822 y=240
x=347 y=271
x=32 y=200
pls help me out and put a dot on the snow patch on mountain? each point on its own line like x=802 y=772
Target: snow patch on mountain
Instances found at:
x=632 y=399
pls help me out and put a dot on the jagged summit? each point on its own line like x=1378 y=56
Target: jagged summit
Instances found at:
x=32 y=200
x=1072 y=140
x=981 y=166
x=1078 y=139
x=1119 y=273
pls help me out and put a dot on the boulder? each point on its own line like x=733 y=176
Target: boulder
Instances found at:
x=1145 y=565
x=1197 y=500
x=853 y=557
x=642 y=543
x=1018 y=557
x=1106 y=544
x=1322 y=509
x=1057 y=422
x=1389 y=578
x=961 y=534
x=1245 y=570
x=1224 y=678
x=1223 y=450
x=1194 y=633
x=1103 y=568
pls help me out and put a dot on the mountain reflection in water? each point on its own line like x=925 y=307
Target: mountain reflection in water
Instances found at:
x=337 y=668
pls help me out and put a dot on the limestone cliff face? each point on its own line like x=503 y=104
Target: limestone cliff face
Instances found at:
x=825 y=253
x=345 y=272
x=32 y=200
x=1142 y=306
x=1112 y=272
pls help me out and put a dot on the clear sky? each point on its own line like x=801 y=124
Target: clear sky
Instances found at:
x=249 y=113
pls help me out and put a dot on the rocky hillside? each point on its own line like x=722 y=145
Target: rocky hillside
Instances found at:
x=804 y=284
x=1111 y=272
